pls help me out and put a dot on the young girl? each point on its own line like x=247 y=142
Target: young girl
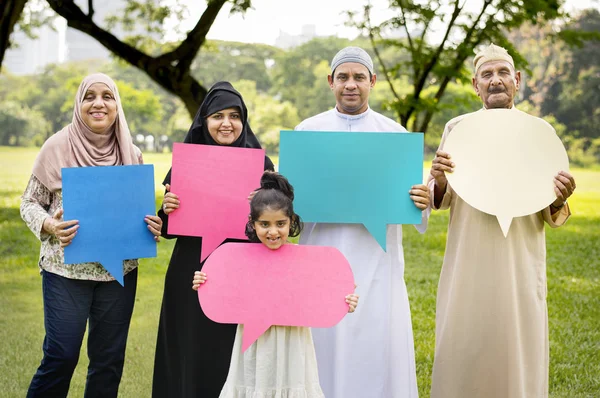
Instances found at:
x=282 y=362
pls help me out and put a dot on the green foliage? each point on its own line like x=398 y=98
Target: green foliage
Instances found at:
x=573 y=96
x=267 y=116
x=458 y=96
x=143 y=22
x=431 y=63
x=143 y=109
x=561 y=83
x=21 y=126
x=35 y=14
x=291 y=85
x=300 y=75
x=233 y=61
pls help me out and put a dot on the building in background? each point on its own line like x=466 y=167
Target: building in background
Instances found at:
x=32 y=55
x=286 y=40
x=63 y=43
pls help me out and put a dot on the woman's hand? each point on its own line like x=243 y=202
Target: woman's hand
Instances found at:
x=420 y=195
x=64 y=231
x=170 y=201
x=199 y=279
x=154 y=226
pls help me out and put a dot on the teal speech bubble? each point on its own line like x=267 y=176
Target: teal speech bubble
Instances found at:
x=352 y=177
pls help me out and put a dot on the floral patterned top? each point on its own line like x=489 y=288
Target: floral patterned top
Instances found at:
x=37 y=204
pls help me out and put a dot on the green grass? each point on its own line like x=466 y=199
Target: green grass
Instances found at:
x=573 y=292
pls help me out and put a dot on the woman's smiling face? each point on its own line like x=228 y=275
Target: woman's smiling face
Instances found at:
x=225 y=126
x=99 y=108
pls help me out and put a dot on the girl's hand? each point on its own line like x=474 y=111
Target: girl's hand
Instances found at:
x=154 y=226
x=352 y=300
x=170 y=201
x=199 y=279
x=64 y=231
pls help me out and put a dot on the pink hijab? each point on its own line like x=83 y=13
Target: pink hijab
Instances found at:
x=78 y=146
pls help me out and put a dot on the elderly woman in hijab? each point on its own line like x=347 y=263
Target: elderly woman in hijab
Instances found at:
x=76 y=293
x=193 y=352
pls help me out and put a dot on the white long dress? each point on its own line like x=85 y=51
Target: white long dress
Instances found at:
x=280 y=364
x=370 y=354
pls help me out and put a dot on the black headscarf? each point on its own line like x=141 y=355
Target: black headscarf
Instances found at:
x=221 y=96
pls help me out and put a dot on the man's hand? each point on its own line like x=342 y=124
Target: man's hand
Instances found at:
x=439 y=167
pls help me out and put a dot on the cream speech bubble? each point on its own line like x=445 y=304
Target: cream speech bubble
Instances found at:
x=505 y=163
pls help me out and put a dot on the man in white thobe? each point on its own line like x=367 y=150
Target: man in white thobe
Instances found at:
x=370 y=354
x=491 y=313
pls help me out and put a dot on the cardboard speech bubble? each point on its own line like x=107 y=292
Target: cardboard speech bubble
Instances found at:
x=352 y=177
x=213 y=183
x=505 y=161
x=253 y=285
x=110 y=203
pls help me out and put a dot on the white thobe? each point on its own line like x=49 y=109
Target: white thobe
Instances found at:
x=370 y=353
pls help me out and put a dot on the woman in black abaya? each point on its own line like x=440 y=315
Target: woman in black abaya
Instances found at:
x=192 y=352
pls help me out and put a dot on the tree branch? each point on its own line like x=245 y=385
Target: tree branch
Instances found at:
x=410 y=41
x=10 y=12
x=434 y=59
x=90 y=8
x=174 y=78
x=78 y=20
x=378 y=55
x=185 y=53
x=461 y=57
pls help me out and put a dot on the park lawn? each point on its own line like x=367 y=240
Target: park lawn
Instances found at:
x=573 y=292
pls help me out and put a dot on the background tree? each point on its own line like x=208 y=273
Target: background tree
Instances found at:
x=21 y=126
x=436 y=62
x=563 y=80
x=232 y=61
x=300 y=75
x=169 y=65
x=10 y=13
x=267 y=115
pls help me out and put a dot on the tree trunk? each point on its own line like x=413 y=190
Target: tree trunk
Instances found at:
x=10 y=12
x=170 y=70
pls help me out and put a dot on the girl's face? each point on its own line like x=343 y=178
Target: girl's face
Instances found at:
x=99 y=108
x=272 y=228
x=225 y=126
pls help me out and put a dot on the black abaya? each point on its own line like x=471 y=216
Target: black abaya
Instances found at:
x=192 y=352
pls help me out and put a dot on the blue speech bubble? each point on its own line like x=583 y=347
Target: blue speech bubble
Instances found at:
x=110 y=203
x=352 y=177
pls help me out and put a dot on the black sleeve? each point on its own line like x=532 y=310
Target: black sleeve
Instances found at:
x=165 y=224
x=269 y=164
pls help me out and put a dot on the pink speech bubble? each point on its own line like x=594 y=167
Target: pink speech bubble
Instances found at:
x=253 y=285
x=213 y=184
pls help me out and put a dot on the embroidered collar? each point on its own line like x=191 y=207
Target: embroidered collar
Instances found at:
x=351 y=118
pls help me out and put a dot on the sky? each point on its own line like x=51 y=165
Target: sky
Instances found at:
x=263 y=23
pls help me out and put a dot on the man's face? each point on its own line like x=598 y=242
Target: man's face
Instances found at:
x=496 y=83
x=351 y=86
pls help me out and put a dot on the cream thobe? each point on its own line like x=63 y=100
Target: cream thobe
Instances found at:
x=491 y=314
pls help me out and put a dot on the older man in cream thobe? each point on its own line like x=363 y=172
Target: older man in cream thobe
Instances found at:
x=491 y=317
